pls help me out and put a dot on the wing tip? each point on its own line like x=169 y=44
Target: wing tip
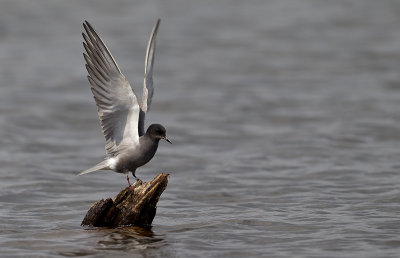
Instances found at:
x=155 y=29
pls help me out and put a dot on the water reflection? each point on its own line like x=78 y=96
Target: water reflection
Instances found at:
x=129 y=238
x=142 y=242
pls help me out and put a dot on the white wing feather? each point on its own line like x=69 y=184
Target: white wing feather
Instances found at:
x=148 y=89
x=117 y=105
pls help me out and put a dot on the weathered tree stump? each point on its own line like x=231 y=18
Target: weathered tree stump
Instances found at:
x=130 y=207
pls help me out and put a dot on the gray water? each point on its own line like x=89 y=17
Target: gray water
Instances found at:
x=285 y=118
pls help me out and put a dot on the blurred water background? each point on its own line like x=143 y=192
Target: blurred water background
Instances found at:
x=285 y=118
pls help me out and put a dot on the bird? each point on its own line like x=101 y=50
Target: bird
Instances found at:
x=128 y=145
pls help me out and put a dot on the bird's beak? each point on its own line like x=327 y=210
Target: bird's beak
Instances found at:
x=165 y=138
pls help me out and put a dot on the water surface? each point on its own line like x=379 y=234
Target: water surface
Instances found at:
x=285 y=118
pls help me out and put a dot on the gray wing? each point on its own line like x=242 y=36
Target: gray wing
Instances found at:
x=148 y=89
x=117 y=105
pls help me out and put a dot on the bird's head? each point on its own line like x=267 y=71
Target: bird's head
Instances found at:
x=157 y=131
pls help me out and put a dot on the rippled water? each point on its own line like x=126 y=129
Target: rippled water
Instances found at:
x=285 y=117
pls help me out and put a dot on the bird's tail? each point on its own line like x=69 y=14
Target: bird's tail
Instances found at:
x=101 y=166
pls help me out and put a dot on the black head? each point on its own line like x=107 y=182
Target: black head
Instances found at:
x=157 y=131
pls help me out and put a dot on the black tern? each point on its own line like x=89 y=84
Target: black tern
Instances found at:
x=128 y=146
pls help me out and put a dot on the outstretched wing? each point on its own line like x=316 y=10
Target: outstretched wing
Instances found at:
x=148 y=89
x=116 y=102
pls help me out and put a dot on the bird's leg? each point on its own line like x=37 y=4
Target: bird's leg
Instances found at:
x=130 y=186
x=133 y=173
x=127 y=178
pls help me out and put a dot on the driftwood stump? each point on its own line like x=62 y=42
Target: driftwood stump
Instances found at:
x=130 y=207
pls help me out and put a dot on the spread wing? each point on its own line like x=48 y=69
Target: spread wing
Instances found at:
x=148 y=89
x=117 y=105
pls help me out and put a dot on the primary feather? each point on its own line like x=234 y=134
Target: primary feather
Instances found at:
x=148 y=89
x=117 y=105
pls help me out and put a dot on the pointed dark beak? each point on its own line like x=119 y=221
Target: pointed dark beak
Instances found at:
x=165 y=138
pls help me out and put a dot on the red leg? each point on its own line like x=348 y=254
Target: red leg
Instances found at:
x=127 y=178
